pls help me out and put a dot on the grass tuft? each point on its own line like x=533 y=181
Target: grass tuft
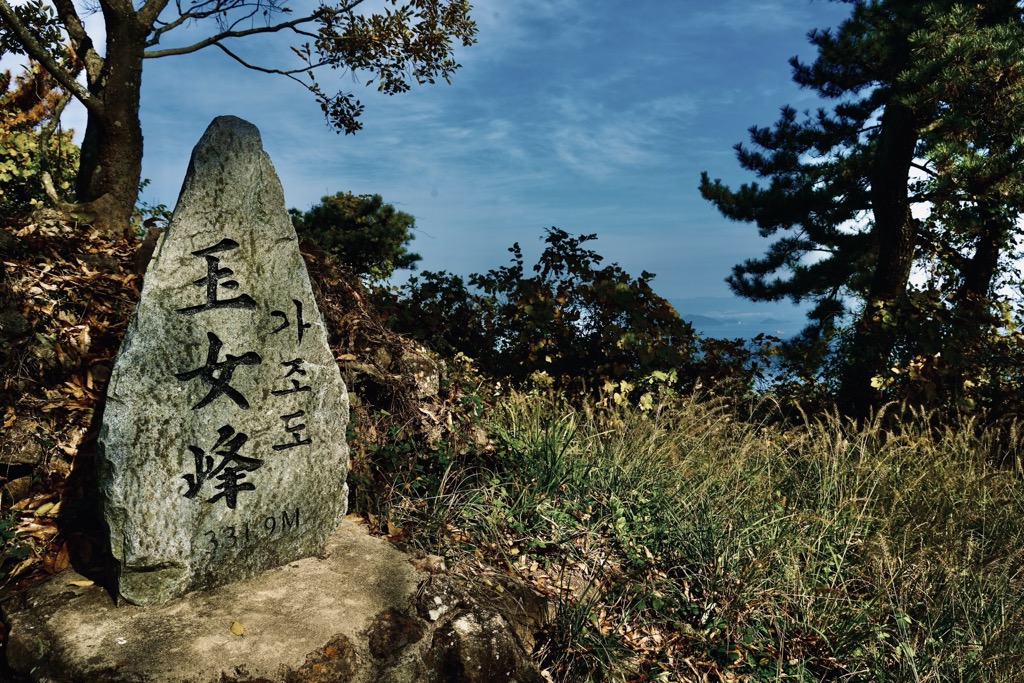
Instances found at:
x=682 y=542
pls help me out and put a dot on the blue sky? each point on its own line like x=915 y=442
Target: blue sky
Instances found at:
x=596 y=116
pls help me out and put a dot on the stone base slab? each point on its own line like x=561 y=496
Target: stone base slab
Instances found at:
x=59 y=631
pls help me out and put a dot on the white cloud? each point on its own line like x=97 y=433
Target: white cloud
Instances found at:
x=748 y=16
x=592 y=115
x=505 y=26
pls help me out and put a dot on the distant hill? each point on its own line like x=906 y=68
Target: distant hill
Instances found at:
x=702 y=320
x=732 y=317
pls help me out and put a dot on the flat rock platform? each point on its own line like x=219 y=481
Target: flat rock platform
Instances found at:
x=310 y=616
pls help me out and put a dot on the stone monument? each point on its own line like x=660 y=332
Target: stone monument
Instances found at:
x=222 y=450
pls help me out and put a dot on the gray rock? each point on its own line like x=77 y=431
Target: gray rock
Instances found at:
x=301 y=623
x=421 y=371
x=481 y=632
x=222 y=451
x=347 y=616
x=479 y=647
x=391 y=631
x=20 y=445
x=17 y=489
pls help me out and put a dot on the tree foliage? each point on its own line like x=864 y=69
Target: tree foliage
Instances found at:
x=568 y=322
x=898 y=207
x=362 y=231
x=401 y=44
x=30 y=143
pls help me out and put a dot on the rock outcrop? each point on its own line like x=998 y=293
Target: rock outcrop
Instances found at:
x=222 y=451
x=363 y=613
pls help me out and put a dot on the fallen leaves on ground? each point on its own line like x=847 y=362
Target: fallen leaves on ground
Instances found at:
x=75 y=292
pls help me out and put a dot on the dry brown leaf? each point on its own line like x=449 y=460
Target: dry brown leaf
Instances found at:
x=44 y=533
x=22 y=566
x=37 y=500
x=56 y=562
x=84 y=339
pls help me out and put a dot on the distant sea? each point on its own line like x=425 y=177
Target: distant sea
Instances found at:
x=735 y=318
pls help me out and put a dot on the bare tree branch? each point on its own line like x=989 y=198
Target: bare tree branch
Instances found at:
x=244 y=17
x=924 y=169
x=197 y=12
x=41 y=55
x=149 y=12
x=157 y=32
x=220 y=8
x=215 y=39
x=72 y=23
x=46 y=132
x=81 y=42
x=290 y=73
x=44 y=146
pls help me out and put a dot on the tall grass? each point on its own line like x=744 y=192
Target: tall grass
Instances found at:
x=682 y=542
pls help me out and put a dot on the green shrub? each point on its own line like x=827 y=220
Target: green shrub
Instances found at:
x=362 y=231
x=570 y=322
x=27 y=107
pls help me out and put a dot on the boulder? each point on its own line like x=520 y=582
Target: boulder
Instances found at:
x=479 y=647
x=222 y=449
x=350 y=616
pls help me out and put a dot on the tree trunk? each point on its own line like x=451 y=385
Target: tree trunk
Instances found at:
x=894 y=233
x=973 y=316
x=111 y=161
x=980 y=271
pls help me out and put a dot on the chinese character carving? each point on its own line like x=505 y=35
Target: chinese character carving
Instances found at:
x=294 y=430
x=212 y=281
x=299 y=324
x=229 y=471
x=218 y=374
x=294 y=368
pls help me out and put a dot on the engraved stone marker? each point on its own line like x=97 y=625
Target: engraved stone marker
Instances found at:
x=222 y=451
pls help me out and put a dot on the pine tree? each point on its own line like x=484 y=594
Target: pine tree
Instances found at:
x=365 y=233
x=898 y=205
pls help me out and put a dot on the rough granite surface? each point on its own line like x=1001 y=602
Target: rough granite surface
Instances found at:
x=62 y=631
x=222 y=450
